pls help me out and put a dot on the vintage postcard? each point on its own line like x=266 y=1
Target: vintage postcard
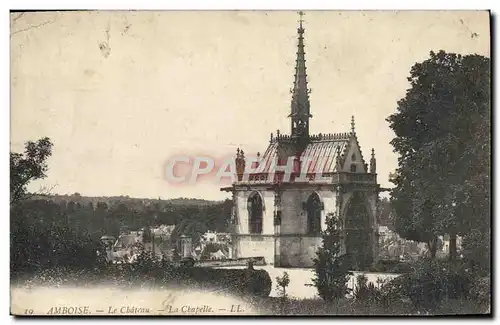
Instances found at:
x=250 y=163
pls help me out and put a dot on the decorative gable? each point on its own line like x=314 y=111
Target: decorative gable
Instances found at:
x=353 y=158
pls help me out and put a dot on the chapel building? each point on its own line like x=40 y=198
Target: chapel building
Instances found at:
x=280 y=217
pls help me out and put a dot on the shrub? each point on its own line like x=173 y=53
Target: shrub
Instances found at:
x=430 y=283
x=366 y=292
x=282 y=283
x=393 y=297
x=259 y=283
x=476 y=250
x=481 y=293
x=332 y=269
x=246 y=281
x=391 y=266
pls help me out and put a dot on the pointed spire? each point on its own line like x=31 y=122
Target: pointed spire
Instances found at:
x=373 y=163
x=352 y=125
x=300 y=106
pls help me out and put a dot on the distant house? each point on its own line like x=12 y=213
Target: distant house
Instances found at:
x=126 y=241
x=392 y=246
x=222 y=240
x=131 y=243
x=163 y=230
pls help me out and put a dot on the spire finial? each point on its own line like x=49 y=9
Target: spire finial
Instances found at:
x=373 y=163
x=352 y=124
x=301 y=14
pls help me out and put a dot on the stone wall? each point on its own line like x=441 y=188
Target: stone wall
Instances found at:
x=294 y=247
x=253 y=246
x=298 y=251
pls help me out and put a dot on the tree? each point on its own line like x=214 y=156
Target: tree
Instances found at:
x=282 y=283
x=331 y=268
x=442 y=137
x=27 y=167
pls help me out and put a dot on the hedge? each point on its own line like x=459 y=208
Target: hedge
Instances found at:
x=241 y=281
x=246 y=282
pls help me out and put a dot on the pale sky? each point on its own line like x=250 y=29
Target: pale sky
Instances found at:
x=206 y=83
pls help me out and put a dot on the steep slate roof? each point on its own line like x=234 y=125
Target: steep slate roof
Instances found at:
x=324 y=154
x=322 y=150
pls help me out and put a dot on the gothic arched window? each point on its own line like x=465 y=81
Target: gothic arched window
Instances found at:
x=255 y=214
x=314 y=208
x=353 y=168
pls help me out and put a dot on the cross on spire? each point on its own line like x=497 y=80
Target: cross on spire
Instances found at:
x=352 y=124
x=373 y=163
x=301 y=20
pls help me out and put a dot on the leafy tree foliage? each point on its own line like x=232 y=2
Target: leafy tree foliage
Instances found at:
x=28 y=166
x=443 y=139
x=432 y=282
x=476 y=250
x=332 y=269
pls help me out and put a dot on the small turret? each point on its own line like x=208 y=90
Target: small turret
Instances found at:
x=373 y=163
x=240 y=163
